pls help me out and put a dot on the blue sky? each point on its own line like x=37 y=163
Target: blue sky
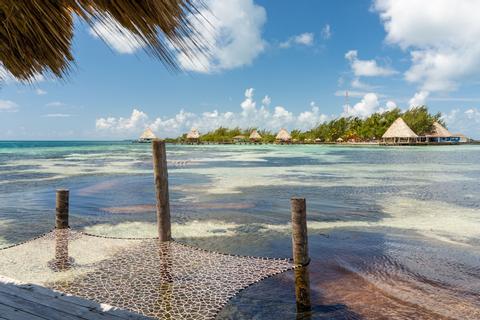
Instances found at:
x=273 y=65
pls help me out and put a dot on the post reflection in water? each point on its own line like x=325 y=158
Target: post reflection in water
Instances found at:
x=166 y=278
x=302 y=292
x=62 y=261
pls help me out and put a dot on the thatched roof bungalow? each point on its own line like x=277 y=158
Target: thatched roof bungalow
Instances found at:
x=147 y=136
x=193 y=136
x=399 y=132
x=440 y=134
x=462 y=138
x=239 y=138
x=255 y=136
x=283 y=136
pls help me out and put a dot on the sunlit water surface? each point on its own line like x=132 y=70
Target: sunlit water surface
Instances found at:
x=394 y=232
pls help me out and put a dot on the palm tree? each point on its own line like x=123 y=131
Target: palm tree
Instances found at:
x=36 y=35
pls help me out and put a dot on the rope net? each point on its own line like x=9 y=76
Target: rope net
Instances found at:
x=165 y=280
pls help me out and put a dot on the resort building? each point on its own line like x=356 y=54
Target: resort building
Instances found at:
x=239 y=138
x=147 y=136
x=462 y=138
x=193 y=136
x=440 y=134
x=399 y=133
x=283 y=136
x=255 y=136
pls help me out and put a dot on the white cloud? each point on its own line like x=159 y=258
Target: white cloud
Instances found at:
x=8 y=106
x=266 y=101
x=116 y=36
x=40 y=92
x=441 y=36
x=357 y=84
x=136 y=121
x=368 y=105
x=389 y=106
x=466 y=122
x=249 y=115
x=57 y=115
x=233 y=32
x=364 y=108
x=304 y=39
x=326 y=32
x=366 y=68
x=55 y=104
x=419 y=99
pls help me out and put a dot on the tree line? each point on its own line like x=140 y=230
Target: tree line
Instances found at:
x=419 y=119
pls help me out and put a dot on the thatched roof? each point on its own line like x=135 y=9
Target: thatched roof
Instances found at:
x=439 y=131
x=239 y=137
x=283 y=135
x=36 y=37
x=255 y=135
x=193 y=134
x=399 y=129
x=148 y=135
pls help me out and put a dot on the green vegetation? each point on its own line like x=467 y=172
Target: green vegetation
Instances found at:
x=347 y=128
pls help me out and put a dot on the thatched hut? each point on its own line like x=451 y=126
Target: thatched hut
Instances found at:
x=283 y=136
x=399 y=133
x=440 y=134
x=239 y=138
x=462 y=138
x=147 y=136
x=193 y=136
x=255 y=136
x=339 y=140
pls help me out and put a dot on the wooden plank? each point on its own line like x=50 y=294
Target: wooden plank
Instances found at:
x=9 y=313
x=54 y=303
x=113 y=311
x=35 y=308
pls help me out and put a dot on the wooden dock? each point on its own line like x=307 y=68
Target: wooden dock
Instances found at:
x=32 y=302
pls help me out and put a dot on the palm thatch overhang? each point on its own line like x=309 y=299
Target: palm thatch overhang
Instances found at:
x=36 y=35
x=399 y=131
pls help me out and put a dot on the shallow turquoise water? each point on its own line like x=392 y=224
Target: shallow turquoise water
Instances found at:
x=393 y=231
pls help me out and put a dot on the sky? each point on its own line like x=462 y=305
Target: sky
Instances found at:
x=272 y=65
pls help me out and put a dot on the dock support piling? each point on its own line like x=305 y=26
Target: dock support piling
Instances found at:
x=161 y=190
x=61 y=208
x=301 y=258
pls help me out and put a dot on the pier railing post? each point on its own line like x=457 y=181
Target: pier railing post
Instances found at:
x=161 y=190
x=301 y=258
x=61 y=209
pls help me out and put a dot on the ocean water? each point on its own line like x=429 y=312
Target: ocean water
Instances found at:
x=394 y=232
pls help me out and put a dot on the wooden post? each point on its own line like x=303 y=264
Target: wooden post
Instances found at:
x=61 y=214
x=300 y=254
x=161 y=190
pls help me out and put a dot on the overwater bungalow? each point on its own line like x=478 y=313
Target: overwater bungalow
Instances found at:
x=462 y=138
x=283 y=136
x=147 y=136
x=440 y=134
x=255 y=136
x=193 y=136
x=399 y=133
x=239 y=138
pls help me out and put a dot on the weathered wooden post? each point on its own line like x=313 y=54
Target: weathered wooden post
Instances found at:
x=61 y=208
x=161 y=190
x=300 y=254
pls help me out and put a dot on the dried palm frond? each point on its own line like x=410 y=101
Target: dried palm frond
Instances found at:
x=36 y=35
